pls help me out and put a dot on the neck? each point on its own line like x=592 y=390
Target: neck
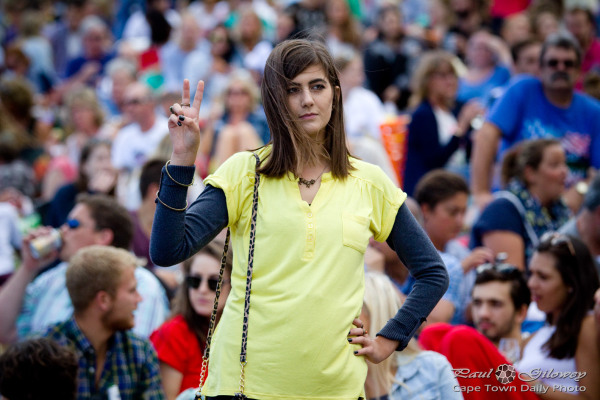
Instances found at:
x=438 y=102
x=146 y=215
x=95 y=331
x=560 y=98
x=147 y=123
x=536 y=194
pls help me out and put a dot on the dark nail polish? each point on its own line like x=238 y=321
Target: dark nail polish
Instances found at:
x=181 y=118
x=356 y=352
x=178 y=123
x=350 y=340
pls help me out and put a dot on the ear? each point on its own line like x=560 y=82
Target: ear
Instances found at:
x=529 y=175
x=521 y=314
x=152 y=190
x=105 y=237
x=426 y=210
x=103 y=300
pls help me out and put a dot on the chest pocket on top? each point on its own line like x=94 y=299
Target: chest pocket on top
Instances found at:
x=355 y=231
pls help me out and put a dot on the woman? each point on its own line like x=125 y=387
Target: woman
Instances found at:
x=180 y=341
x=443 y=198
x=562 y=282
x=487 y=61
x=535 y=173
x=237 y=124
x=96 y=175
x=317 y=209
x=438 y=134
x=414 y=374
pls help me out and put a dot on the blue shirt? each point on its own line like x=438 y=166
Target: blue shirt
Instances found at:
x=524 y=112
x=131 y=364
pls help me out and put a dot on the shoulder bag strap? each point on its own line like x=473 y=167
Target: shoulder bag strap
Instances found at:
x=213 y=317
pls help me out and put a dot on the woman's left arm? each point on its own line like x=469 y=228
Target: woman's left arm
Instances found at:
x=416 y=251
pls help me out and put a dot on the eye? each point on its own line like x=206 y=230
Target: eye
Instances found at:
x=318 y=86
x=292 y=90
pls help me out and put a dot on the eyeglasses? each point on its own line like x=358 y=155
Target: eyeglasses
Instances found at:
x=556 y=239
x=553 y=63
x=194 y=282
x=133 y=102
x=237 y=92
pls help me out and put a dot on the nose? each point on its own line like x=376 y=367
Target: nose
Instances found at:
x=484 y=311
x=307 y=99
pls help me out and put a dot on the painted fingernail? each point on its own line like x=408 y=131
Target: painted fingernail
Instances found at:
x=356 y=352
x=350 y=340
x=178 y=123
x=181 y=118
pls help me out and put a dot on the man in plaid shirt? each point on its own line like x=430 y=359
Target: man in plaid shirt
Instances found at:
x=114 y=363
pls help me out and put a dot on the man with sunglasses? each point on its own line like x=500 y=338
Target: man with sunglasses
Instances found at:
x=546 y=106
x=29 y=304
x=499 y=301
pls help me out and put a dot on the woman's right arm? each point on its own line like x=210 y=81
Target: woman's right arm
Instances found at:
x=178 y=233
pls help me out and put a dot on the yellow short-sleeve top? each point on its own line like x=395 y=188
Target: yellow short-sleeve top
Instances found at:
x=308 y=281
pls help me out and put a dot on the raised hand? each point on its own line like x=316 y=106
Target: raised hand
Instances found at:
x=184 y=126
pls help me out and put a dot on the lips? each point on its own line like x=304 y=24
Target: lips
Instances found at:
x=308 y=116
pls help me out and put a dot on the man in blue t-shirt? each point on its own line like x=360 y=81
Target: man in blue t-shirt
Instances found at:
x=547 y=107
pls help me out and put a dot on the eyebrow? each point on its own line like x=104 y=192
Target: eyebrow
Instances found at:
x=310 y=83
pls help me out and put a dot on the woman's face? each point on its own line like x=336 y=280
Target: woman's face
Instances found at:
x=548 y=181
x=202 y=298
x=84 y=119
x=98 y=160
x=443 y=83
x=547 y=287
x=353 y=75
x=310 y=99
x=479 y=54
x=238 y=98
x=337 y=12
x=446 y=220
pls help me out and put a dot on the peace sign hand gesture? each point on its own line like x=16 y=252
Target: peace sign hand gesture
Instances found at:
x=184 y=126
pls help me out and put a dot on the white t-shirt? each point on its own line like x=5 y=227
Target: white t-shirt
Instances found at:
x=10 y=237
x=132 y=147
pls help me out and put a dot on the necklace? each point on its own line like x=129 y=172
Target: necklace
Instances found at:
x=308 y=184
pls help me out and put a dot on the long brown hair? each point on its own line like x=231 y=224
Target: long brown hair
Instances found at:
x=181 y=303
x=292 y=147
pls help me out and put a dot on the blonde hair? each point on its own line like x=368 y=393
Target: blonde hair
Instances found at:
x=93 y=269
x=381 y=303
x=430 y=62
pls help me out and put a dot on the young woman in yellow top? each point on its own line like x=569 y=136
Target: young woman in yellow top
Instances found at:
x=317 y=209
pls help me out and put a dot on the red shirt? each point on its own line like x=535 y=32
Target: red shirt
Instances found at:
x=178 y=347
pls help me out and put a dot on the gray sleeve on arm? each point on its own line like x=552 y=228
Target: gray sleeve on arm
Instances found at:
x=177 y=235
x=416 y=251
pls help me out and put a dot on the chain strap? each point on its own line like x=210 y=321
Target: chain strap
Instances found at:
x=213 y=316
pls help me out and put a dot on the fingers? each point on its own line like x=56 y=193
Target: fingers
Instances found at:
x=198 y=96
x=185 y=95
x=357 y=322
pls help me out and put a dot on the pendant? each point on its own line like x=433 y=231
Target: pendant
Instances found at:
x=308 y=184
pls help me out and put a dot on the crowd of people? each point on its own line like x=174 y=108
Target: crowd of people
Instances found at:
x=133 y=132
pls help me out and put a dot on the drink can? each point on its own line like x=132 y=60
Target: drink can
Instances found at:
x=43 y=245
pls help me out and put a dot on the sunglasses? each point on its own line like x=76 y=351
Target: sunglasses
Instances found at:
x=503 y=268
x=557 y=239
x=194 y=282
x=72 y=223
x=553 y=63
